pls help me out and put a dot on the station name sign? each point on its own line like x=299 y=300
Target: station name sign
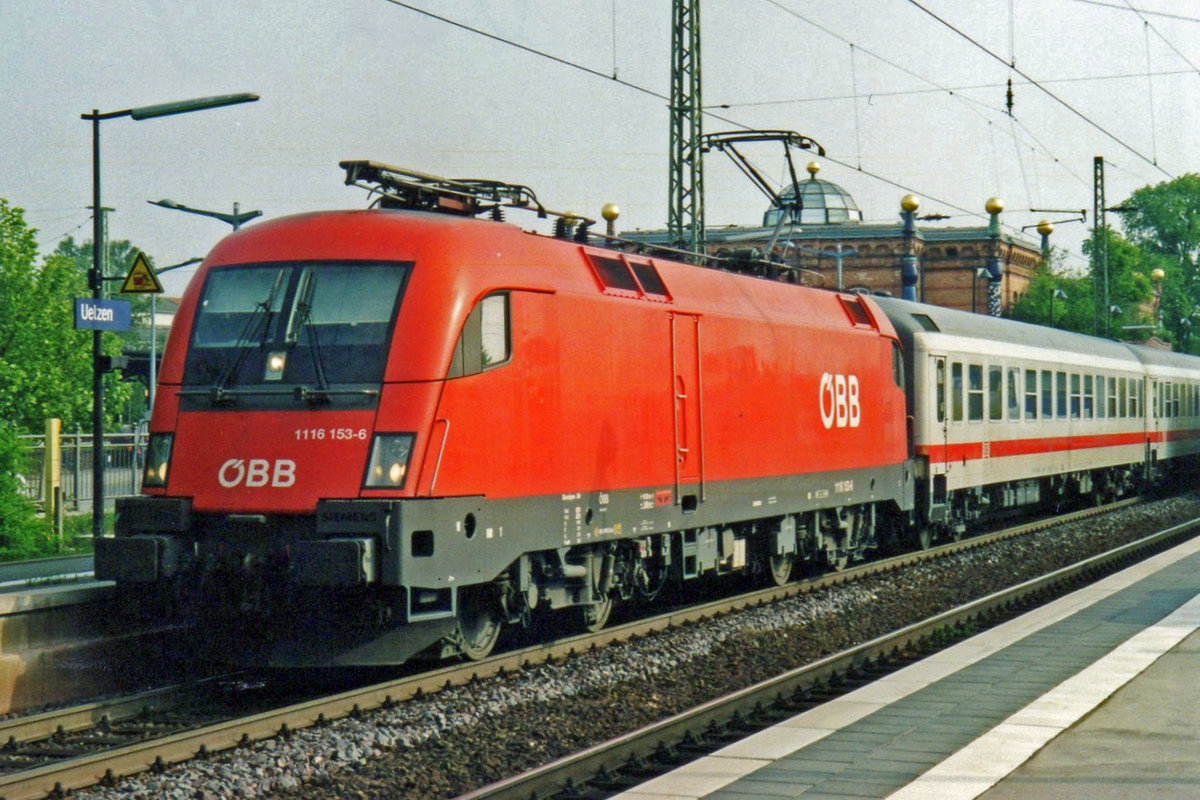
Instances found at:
x=101 y=315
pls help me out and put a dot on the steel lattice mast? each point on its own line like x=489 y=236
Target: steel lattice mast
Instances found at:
x=685 y=218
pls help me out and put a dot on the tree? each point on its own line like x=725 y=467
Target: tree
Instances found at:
x=1164 y=221
x=1070 y=310
x=45 y=364
x=1129 y=288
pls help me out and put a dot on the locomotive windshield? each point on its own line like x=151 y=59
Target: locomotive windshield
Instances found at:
x=314 y=325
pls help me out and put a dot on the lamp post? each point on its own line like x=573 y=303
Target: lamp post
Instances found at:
x=235 y=219
x=1045 y=228
x=993 y=207
x=909 y=276
x=96 y=276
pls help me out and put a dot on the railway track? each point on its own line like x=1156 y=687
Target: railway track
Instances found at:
x=156 y=743
x=628 y=760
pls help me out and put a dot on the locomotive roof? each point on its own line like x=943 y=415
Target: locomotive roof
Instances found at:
x=911 y=319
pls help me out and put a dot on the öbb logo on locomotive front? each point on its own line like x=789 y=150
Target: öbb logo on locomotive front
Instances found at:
x=257 y=472
x=838 y=396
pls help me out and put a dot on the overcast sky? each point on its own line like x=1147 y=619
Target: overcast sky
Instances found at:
x=900 y=101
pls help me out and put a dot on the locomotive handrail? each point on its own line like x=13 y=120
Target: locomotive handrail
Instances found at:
x=219 y=394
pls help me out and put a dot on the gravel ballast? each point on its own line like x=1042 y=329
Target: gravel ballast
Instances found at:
x=461 y=738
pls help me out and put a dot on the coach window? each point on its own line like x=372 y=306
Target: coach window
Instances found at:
x=939 y=371
x=1112 y=397
x=1122 y=402
x=956 y=389
x=485 y=339
x=1014 y=393
x=1076 y=405
x=1088 y=397
x=1060 y=395
x=1136 y=397
x=995 y=392
x=1047 y=395
x=1100 y=397
x=1031 y=397
x=975 y=392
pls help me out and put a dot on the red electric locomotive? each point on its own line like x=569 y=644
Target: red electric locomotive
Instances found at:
x=407 y=427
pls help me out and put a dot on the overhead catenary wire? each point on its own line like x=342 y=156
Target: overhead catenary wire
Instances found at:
x=1150 y=94
x=854 y=102
x=1128 y=7
x=713 y=115
x=950 y=89
x=937 y=87
x=652 y=93
x=984 y=48
x=1158 y=33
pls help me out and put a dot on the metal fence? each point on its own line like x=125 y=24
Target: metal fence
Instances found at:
x=123 y=454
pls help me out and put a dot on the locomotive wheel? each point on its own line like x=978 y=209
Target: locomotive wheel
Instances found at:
x=479 y=625
x=595 y=616
x=780 y=568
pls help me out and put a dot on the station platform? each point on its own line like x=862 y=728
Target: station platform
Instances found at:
x=1092 y=696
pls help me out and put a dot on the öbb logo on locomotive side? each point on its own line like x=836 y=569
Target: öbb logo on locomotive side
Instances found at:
x=838 y=397
x=257 y=472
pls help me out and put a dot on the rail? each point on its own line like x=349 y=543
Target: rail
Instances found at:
x=671 y=742
x=129 y=759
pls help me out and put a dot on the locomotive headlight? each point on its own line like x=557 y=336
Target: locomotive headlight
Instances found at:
x=276 y=361
x=158 y=459
x=388 y=466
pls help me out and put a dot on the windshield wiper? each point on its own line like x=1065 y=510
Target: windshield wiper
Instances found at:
x=302 y=318
x=255 y=330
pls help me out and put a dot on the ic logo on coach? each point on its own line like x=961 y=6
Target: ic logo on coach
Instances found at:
x=257 y=472
x=838 y=398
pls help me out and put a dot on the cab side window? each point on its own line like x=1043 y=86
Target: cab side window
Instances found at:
x=485 y=341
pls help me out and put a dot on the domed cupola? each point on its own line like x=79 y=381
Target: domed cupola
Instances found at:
x=820 y=203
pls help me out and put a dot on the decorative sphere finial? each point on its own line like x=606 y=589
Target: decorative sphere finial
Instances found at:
x=1045 y=227
x=813 y=168
x=610 y=211
x=994 y=205
x=910 y=202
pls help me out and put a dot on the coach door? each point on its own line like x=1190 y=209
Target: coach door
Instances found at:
x=947 y=392
x=687 y=385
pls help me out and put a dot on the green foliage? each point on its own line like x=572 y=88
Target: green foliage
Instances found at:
x=1163 y=221
x=45 y=364
x=1129 y=288
x=22 y=533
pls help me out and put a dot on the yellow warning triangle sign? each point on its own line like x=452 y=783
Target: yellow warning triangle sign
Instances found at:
x=141 y=278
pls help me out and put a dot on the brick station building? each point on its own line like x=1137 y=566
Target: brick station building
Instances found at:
x=950 y=260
